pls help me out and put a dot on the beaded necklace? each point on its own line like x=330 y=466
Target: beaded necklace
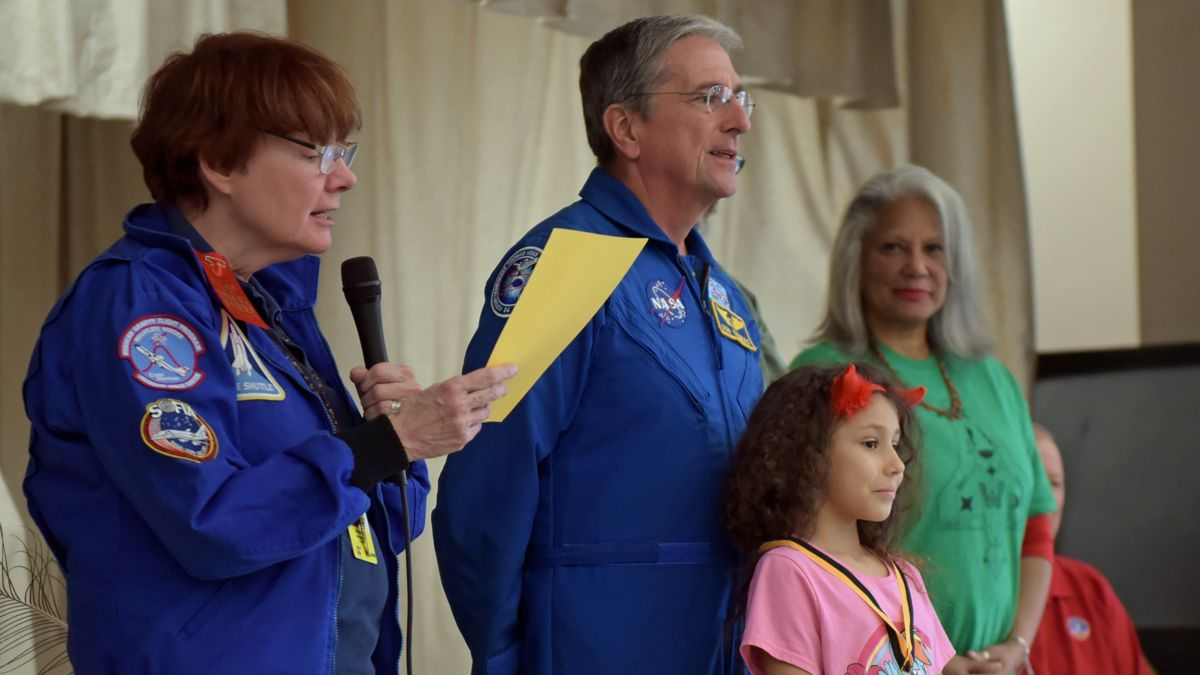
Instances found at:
x=955 y=411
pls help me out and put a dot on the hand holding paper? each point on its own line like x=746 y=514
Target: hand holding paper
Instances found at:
x=575 y=275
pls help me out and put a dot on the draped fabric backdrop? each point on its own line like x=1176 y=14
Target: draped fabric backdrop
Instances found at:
x=473 y=133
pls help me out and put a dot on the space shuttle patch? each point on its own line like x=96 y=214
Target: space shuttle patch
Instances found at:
x=251 y=376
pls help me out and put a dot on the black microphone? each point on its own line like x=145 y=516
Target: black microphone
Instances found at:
x=360 y=283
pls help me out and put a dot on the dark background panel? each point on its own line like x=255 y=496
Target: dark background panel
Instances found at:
x=1128 y=424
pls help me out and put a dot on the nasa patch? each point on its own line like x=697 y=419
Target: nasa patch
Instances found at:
x=1079 y=628
x=172 y=428
x=164 y=352
x=252 y=378
x=513 y=277
x=666 y=302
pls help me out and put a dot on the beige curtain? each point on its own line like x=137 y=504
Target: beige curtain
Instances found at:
x=90 y=57
x=63 y=183
x=814 y=48
x=473 y=134
x=963 y=127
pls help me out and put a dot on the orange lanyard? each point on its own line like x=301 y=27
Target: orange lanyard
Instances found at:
x=901 y=641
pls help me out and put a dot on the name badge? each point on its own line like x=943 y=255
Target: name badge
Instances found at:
x=361 y=542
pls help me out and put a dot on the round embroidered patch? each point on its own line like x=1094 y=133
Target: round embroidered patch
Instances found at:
x=666 y=301
x=164 y=352
x=172 y=428
x=512 y=279
x=1079 y=628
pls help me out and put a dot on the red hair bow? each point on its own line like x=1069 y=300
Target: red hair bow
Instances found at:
x=852 y=392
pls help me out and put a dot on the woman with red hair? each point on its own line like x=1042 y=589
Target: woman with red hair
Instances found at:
x=215 y=498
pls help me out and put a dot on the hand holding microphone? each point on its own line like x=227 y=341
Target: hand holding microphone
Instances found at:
x=429 y=422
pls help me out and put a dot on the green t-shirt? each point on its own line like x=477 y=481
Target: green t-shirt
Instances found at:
x=979 y=479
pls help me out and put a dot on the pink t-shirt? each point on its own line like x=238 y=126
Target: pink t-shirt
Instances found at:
x=801 y=614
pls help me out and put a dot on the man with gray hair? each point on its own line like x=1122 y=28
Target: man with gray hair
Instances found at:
x=582 y=534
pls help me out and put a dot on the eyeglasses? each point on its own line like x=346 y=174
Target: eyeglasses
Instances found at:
x=330 y=154
x=717 y=97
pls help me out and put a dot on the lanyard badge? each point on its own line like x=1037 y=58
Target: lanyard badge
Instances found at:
x=901 y=641
x=361 y=542
x=225 y=284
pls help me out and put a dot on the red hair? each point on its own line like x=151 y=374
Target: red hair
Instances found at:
x=218 y=99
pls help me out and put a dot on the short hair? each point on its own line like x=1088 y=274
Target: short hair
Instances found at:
x=958 y=326
x=216 y=101
x=628 y=60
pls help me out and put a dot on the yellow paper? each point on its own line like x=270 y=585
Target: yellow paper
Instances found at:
x=575 y=274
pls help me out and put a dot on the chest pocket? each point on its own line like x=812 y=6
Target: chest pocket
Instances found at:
x=286 y=418
x=657 y=345
x=752 y=384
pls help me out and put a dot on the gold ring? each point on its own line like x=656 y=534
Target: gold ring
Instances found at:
x=986 y=656
x=395 y=408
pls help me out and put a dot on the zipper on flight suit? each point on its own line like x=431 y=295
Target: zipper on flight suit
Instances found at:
x=700 y=288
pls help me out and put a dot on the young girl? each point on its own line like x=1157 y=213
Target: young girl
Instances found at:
x=814 y=499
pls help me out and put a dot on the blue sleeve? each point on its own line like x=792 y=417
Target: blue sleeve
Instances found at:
x=388 y=493
x=488 y=496
x=417 y=487
x=226 y=512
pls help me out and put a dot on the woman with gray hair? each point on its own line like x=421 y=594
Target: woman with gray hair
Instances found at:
x=902 y=293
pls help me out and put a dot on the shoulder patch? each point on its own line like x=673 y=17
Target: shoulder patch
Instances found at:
x=252 y=378
x=512 y=279
x=164 y=352
x=173 y=428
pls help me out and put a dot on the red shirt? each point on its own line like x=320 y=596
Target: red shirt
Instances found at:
x=1085 y=628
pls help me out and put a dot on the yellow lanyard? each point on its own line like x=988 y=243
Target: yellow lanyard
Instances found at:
x=902 y=642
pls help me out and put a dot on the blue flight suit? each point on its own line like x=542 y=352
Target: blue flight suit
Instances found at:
x=583 y=534
x=187 y=476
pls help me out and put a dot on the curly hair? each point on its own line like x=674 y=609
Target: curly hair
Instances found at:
x=780 y=469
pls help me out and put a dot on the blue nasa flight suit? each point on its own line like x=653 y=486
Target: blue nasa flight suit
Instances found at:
x=583 y=534
x=186 y=475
